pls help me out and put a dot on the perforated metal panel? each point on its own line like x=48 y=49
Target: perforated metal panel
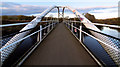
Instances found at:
x=115 y=55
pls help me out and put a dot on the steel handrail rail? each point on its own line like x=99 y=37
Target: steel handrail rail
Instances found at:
x=30 y=25
x=94 y=38
x=102 y=33
x=15 y=33
x=24 y=38
x=16 y=24
x=107 y=25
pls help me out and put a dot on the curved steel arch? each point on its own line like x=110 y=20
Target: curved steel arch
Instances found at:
x=30 y=25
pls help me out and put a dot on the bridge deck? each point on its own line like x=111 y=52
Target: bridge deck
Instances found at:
x=60 y=47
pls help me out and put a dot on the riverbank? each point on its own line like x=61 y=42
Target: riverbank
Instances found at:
x=110 y=21
x=22 y=19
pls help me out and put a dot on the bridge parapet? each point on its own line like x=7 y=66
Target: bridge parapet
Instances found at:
x=109 y=43
x=42 y=31
x=10 y=46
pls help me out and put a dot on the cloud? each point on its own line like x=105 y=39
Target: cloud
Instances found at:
x=9 y=8
x=88 y=9
x=4 y=8
x=105 y=13
x=60 y=0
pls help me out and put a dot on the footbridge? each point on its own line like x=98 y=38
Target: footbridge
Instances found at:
x=60 y=41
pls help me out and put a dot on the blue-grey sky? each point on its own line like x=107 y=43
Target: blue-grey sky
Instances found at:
x=26 y=7
x=73 y=3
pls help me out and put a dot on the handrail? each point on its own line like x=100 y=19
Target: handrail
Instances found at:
x=95 y=38
x=15 y=24
x=15 y=33
x=102 y=33
x=110 y=44
x=21 y=31
x=24 y=38
x=107 y=25
x=32 y=24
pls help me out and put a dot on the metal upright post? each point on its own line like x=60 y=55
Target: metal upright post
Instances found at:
x=71 y=26
x=46 y=18
x=52 y=23
x=39 y=38
x=49 y=26
x=41 y=33
x=58 y=13
x=67 y=24
x=63 y=13
x=80 y=32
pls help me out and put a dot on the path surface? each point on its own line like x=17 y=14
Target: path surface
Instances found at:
x=60 y=47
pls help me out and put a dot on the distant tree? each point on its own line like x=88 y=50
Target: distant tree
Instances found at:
x=118 y=19
x=90 y=17
x=32 y=17
x=5 y=17
x=21 y=17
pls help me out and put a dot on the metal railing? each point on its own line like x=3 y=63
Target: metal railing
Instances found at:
x=10 y=46
x=6 y=50
x=99 y=24
x=109 y=43
x=17 y=24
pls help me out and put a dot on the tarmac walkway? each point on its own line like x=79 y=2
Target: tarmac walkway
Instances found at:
x=60 y=47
